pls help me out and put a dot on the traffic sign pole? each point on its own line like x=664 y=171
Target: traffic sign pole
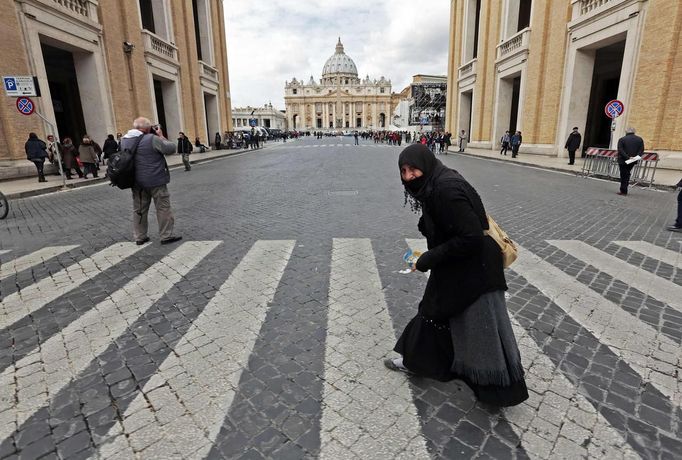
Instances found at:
x=613 y=109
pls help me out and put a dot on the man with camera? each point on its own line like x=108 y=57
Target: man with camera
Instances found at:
x=151 y=179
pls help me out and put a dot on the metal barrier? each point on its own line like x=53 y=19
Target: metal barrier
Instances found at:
x=604 y=163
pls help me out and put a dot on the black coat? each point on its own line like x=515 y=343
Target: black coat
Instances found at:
x=629 y=146
x=573 y=142
x=464 y=263
x=36 y=149
x=110 y=146
x=184 y=145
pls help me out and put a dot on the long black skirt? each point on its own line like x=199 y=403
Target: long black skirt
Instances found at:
x=426 y=346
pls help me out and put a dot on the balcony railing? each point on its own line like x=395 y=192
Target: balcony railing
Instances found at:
x=467 y=69
x=587 y=6
x=159 y=47
x=514 y=44
x=75 y=6
x=207 y=71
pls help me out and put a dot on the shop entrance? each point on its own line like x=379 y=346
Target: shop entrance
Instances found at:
x=605 y=81
x=66 y=99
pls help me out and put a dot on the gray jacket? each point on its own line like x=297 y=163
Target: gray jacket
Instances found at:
x=151 y=169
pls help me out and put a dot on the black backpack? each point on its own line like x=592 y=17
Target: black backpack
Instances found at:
x=121 y=167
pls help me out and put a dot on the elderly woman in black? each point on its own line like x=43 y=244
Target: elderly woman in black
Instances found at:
x=462 y=329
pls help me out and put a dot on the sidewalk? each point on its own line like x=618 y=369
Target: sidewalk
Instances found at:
x=25 y=187
x=664 y=178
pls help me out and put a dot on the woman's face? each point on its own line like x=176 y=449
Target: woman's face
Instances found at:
x=409 y=173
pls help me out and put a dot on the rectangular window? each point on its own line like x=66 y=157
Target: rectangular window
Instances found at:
x=147 y=13
x=382 y=90
x=295 y=91
x=197 y=30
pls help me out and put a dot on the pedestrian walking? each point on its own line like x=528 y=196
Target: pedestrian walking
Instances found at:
x=355 y=135
x=69 y=158
x=36 y=151
x=463 y=141
x=515 y=142
x=677 y=226
x=88 y=156
x=629 y=146
x=505 y=140
x=572 y=144
x=151 y=180
x=109 y=147
x=184 y=149
x=462 y=328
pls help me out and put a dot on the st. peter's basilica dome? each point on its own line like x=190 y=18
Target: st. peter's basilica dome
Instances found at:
x=339 y=63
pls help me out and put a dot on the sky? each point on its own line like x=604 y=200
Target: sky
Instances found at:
x=272 y=41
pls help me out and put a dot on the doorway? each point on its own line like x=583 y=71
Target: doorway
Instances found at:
x=211 y=114
x=608 y=62
x=160 y=108
x=465 y=109
x=66 y=99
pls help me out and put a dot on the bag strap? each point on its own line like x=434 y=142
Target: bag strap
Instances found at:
x=137 y=144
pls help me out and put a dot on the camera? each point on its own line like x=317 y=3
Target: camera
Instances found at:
x=156 y=128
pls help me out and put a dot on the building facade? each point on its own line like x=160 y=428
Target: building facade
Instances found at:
x=266 y=116
x=340 y=100
x=101 y=63
x=543 y=67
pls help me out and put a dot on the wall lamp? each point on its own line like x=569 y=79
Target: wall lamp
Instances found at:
x=128 y=47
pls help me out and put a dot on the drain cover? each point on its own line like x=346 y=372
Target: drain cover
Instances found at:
x=342 y=193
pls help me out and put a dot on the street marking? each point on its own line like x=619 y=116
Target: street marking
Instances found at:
x=212 y=355
x=5 y=251
x=19 y=264
x=647 y=282
x=655 y=252
x=66 y=354
x=379 y=420
x=626 y=336
x=556 y=408
x=553 y=396
x=32 y=298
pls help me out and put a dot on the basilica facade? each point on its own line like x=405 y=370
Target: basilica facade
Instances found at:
x=340 y=100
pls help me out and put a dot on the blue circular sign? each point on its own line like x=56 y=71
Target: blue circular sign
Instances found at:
x=25 y=106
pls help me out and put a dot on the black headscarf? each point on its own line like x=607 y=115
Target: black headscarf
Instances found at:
x=421 y=157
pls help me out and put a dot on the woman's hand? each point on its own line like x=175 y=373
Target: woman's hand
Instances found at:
x=425 y=262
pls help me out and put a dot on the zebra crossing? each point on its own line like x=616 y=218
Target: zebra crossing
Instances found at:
x=365 y=411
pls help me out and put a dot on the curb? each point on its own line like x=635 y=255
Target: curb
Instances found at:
x=654 y=186
x=99 y=180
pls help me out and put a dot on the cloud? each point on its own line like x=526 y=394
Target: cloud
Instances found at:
x=270 y=42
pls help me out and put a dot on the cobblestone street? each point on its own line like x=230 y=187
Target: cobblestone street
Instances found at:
x=262 y=333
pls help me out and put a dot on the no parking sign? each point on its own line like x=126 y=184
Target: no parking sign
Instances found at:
x=614 y=108
x=25 y=106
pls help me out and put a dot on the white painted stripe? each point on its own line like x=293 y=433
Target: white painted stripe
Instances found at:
x=651 y=354
x=667 y=256
x=211 y=355
x=12 y=267
x=555 y=404
x=658 y=288
x=5 y=251
x=33 y=381
x=16 y=306
x=368 y=410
